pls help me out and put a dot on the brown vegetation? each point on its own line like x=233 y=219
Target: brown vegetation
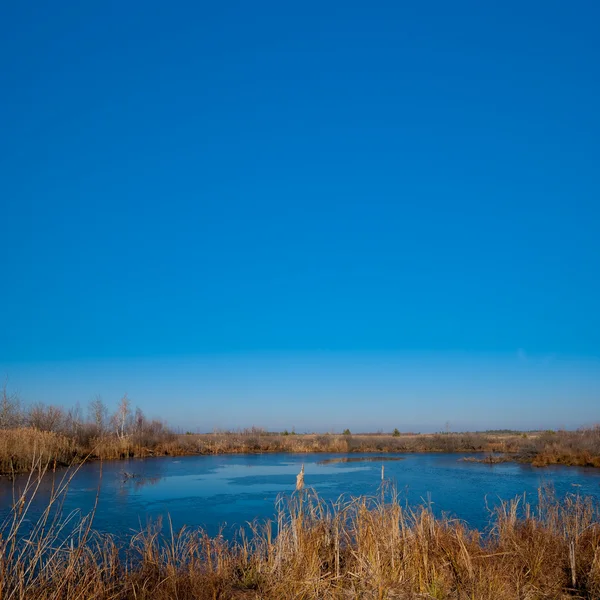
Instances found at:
x=63 y=436
x=581 y=447
x=19 y=449
x=371 y=548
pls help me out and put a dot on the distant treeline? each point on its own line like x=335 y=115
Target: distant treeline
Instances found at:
x=63 y=436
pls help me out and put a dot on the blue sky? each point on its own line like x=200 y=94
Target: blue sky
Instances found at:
x=384 y=212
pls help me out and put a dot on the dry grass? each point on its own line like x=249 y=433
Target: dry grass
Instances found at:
x=61 y=436
x=18 y=446
x=21 y=448
x=580 y=448
x=370 y=548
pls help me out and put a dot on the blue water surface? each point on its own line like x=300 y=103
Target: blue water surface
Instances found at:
x=225 y=492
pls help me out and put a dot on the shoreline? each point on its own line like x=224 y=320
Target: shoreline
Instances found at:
x=20 y=448
x=474 y=456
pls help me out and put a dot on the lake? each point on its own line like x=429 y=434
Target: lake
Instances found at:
x=229 y=490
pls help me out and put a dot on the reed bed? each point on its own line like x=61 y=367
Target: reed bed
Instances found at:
x=370 y=548
x=21 y=448
x=63 y=435
x=577 y=448
x=19 y=445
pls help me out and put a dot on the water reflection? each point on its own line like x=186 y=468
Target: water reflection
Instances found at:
x=350 y=459
x=140 y=482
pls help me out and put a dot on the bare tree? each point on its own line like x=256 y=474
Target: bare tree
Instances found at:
x=46 y=418
x=74 y=421
x=10 y=409
x=139 y=420
x=121 y=417
x=98 y=414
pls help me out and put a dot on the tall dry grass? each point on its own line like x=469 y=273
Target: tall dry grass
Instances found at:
x=63 y=435
x=370 y=548
x=22 y=448
x=18 y=445
x=581 y=448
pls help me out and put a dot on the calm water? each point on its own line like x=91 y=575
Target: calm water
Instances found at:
x=230 y=490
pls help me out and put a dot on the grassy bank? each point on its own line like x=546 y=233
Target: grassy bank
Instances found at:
x=580 y=447
x=370 y=548
x=20 y=447
x=62 y=437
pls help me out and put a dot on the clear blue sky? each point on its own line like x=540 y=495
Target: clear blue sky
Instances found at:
x=252 y=211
